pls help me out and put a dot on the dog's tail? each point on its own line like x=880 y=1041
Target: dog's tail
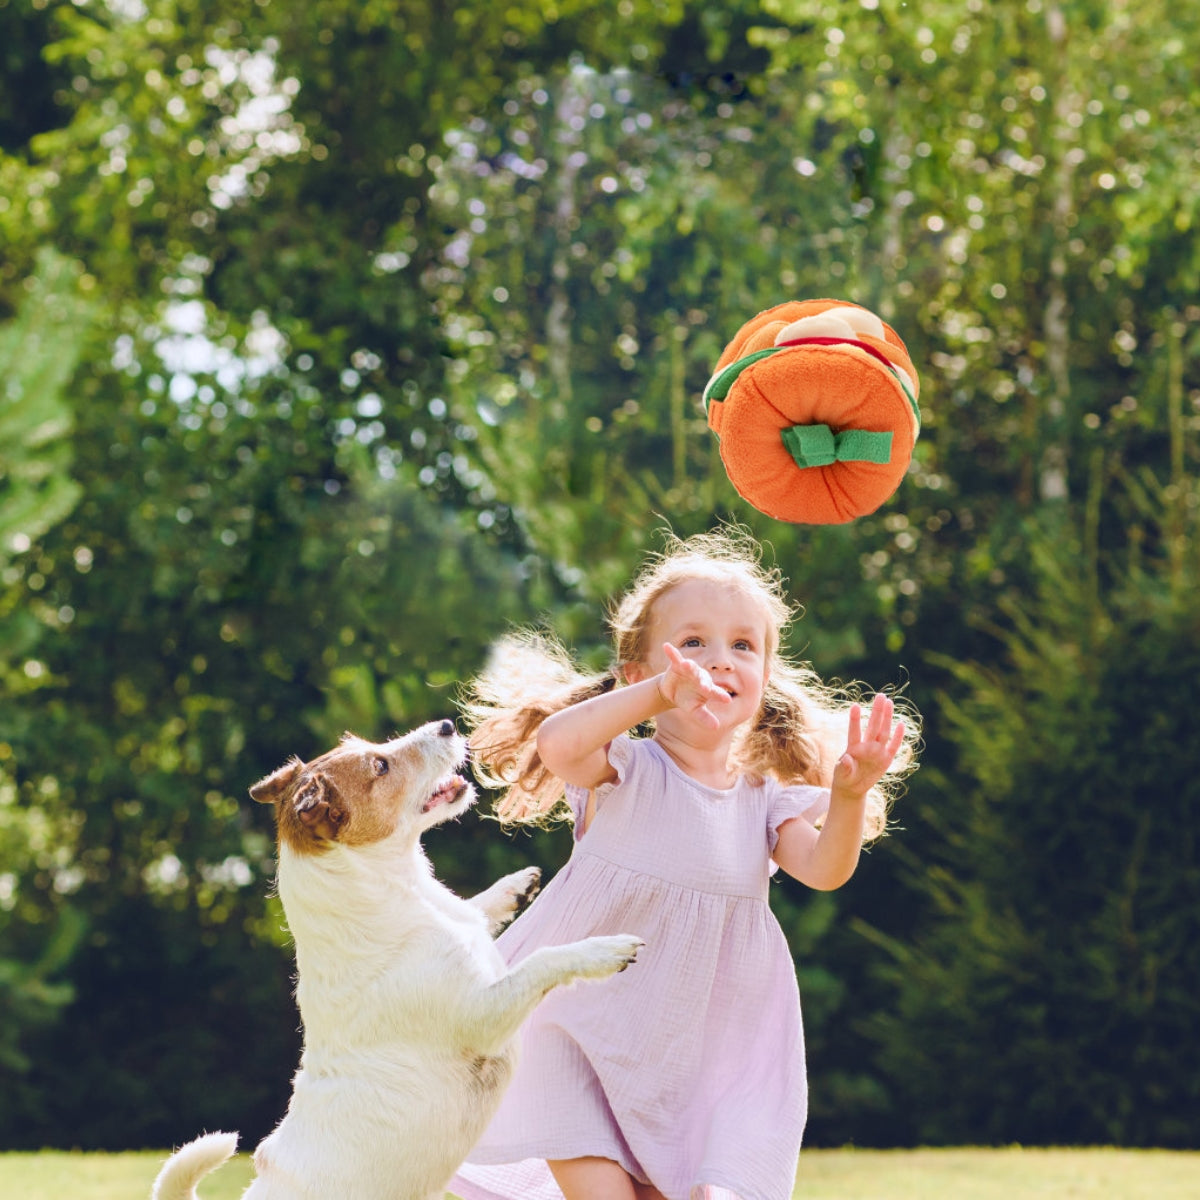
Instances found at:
x=189 y=1164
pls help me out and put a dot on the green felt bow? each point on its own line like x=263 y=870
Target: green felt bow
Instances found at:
x=819 y=446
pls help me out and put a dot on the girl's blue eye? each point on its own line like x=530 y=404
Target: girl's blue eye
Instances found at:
x=691 y=641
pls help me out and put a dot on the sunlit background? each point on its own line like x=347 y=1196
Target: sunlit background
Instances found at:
x=338 y=337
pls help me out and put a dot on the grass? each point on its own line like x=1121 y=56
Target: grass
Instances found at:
x=965 y=1174
x=1009 y=1174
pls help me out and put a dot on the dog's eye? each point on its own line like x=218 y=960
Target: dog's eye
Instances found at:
x=380 y=766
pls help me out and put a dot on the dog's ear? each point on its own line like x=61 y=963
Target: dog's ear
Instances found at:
x=318 y=806
x=267 y=791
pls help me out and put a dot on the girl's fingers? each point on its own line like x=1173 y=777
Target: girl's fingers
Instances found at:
x=855 y=734
x=693 y=670
x=698 y=678
x=709 y=690
x=873 y=749
x=882 y=709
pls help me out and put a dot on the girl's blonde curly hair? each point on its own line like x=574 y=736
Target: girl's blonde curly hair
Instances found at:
x=797 y=736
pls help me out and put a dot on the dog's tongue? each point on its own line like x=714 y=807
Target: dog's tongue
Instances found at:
x=446 y=792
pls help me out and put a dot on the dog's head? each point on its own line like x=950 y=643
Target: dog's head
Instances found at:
x=360 y=793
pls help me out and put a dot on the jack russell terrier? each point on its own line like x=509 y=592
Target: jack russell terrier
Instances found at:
x=409 y=1011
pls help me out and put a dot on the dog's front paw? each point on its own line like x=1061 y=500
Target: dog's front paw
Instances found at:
x=523 y=885
x=604 y=956
x=509 y=896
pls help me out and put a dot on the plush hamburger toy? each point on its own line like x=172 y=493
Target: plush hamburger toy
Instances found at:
x=815 y=406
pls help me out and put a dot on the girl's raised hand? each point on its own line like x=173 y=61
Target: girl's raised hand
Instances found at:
x=869 y=752
x=688 y=686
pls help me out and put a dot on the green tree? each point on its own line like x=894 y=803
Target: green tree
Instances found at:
x=39 y=349
x=261 y=555
x=209 y=609
x=1062 y=877
x=1029 y=183
x=402 y=322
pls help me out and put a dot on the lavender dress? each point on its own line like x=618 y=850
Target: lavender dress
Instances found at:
x=687 y=1068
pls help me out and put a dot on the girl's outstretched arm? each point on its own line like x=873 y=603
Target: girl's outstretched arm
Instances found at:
x=826 y=859
x=573 y=743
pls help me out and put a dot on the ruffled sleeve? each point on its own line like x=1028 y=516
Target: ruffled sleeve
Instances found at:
x=620 y=755
x=798 y=800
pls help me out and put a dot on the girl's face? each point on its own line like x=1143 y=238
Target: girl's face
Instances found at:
x=723 y=629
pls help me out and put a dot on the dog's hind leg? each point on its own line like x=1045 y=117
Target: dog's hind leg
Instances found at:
x=508 y=896
x=496 y=1013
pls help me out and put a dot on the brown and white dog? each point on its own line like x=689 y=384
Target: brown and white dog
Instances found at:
x=409 y=1011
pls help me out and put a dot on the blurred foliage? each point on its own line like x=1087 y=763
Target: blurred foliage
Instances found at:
x=1064 y=879
x=337 y=337
x=39 y=350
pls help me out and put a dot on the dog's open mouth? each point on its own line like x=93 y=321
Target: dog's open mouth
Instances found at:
x=446 y=792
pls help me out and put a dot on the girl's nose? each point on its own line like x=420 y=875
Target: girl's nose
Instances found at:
x=719 y=659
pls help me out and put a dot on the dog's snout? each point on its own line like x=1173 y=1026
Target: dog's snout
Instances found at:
x=446 y=729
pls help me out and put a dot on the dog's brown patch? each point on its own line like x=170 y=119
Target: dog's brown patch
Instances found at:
x=308 y=814
x=315 y=814
x=353 y=794
x=488 y=1073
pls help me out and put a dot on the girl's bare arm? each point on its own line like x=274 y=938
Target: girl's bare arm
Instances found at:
x=573 y=743
x=825 y=860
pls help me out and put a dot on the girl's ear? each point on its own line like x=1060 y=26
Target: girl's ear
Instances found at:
x=634 y=672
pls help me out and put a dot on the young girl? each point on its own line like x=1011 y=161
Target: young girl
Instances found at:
x=683 y=1076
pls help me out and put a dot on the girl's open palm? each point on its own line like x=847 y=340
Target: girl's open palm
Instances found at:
x=688 y=686
x=870 y=751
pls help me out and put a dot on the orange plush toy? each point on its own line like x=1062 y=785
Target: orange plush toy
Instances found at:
x=815 y=406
